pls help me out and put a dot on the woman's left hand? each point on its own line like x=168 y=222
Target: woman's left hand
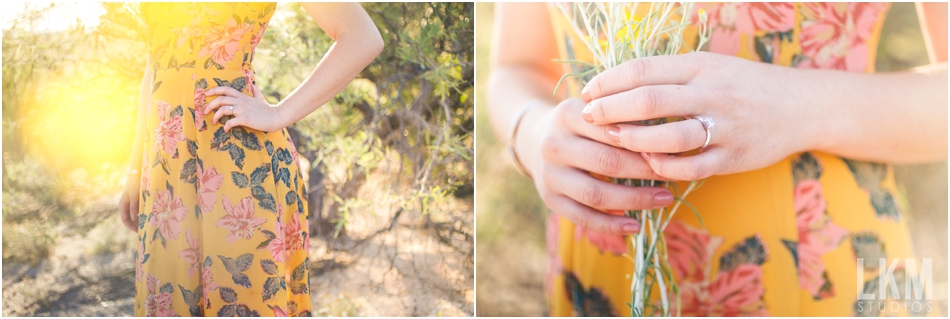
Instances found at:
x=252 y=112
x=758 y=119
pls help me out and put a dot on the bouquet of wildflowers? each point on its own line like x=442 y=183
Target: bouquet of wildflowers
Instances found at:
x=613 y=34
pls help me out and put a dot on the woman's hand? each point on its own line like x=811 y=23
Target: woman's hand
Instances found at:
x=560 y=151
x=757 y=119
x=252 y=112
x=129 y=203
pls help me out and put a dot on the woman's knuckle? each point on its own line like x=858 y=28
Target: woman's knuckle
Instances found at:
x=692 y=172
x=550 y=146
x=636 y=70
x=609 y=161
x=547 y=174
x=594 y=195
x=636 y=202
x=647 y=101
x=597 y=88
x=583 y=221
x=678 y=139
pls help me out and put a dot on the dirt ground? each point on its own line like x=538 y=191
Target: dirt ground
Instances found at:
x=404 y=272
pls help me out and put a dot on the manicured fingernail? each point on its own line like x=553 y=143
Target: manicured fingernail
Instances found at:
x=614 y=133
x=585 y=94
x=586 y=114
x=662 y=199
x=631 y=228
x=645 y=155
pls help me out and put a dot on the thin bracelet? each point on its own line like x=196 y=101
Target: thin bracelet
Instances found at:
x=511 y=137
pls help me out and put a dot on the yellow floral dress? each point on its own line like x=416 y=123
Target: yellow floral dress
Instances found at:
x=802 y=237
x=223 y=217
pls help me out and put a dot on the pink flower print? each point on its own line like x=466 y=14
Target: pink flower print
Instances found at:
x=256 y=38
x=276 y=245
x=614 y=244
x=734 y=293
x=606 y=243
x=167 y=214
x=293 y=150
x=293 y=236
x=730 y=21
x=834 y=35
x=223 y=41
x=200 y=108
x=168 y=132
x=738 y=291
x=724 y=37
x=209 y=181
x=817 y=235
x=304 y=236
x=157 y=304
x=277 y=311
x=690 y=251
x=207 y=282
x=248 y=80
x=809 y=200
x=771 y=16
x=192 y=254
x=239 y=219
x=186 y=32
x=151 y=283
x=140 y=261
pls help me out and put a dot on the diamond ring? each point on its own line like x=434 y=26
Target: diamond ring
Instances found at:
x=232 y=114
x=708 y=124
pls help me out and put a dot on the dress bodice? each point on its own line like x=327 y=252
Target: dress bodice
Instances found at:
x=219 y=35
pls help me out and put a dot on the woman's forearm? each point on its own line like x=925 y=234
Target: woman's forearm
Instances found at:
x=342 y=63
x=895 y=118
x=509 y=89
x=357 y=43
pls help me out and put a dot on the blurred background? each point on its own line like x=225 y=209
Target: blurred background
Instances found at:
x=511 y=248
x=388 y=162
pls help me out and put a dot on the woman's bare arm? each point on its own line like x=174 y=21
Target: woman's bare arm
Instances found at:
x=129 y=203
x=933 y=22
x=357 y=43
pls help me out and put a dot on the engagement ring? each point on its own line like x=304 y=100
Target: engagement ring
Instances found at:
x=708 y=124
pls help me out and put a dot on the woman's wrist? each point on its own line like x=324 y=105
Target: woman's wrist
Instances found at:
x=283 y=115
x=825 y=120
x=808 y=113
x=527 y=141
x=804 y=98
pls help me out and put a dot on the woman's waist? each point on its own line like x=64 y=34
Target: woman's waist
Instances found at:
x=213 y=77
x=191 y=68
x=172 y=83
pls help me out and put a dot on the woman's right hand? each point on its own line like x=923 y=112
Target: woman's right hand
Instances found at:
x=129 y=204
x=560 y=150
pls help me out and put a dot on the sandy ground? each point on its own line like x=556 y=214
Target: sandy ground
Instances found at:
x=405 y=272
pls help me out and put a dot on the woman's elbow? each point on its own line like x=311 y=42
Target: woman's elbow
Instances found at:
x=374 y=43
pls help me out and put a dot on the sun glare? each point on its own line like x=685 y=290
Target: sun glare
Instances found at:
x=82 y=119
x=61 y=16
